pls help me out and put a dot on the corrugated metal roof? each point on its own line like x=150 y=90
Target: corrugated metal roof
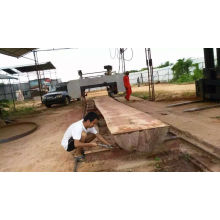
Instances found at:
x=10 y=71
x=2 y=76
x=32 y=68
x=15 y=52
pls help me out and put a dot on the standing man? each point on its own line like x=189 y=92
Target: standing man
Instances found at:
x=81 y=133
x=127 y=86
x=138 y=82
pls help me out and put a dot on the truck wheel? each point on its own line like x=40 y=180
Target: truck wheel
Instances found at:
x=48 y=106
x=67 y=101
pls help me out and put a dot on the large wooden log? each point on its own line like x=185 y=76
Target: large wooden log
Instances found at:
x=132 y=129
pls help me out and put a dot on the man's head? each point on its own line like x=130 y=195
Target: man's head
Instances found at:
x=126 y=73
x=90 y=119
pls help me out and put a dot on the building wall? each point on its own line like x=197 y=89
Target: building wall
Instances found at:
x=6 y=93
x=5 y=90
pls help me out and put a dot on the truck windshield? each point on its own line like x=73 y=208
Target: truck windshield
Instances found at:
x=53 y=90
x=61 y=88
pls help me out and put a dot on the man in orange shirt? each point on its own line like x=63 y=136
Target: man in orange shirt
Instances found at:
x=127 y=86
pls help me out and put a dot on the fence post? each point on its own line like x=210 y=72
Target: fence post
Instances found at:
x=142 y=79
x=168 y=75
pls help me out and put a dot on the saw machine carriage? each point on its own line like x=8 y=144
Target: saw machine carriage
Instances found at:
x=112 y=81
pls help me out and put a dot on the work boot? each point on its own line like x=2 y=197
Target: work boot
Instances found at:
x=79 y=152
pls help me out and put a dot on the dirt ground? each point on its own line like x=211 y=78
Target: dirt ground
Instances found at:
x=121 y=161
x=163 y=91
x=174 y=88
x=41 y=150
x=167 y=87
x=7 y=131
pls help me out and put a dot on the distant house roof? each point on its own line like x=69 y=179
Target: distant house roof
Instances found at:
x=16 y=52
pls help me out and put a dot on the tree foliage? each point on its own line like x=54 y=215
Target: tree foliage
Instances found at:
x=167 y=63
x=181 y=67
x=133 y=71
x=197 y=72
x=143 y=69
x=185 y=71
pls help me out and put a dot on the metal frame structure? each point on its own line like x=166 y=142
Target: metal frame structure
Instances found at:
x=208 y=88
x=26 y=74
x=5 y=77
x=149 y=63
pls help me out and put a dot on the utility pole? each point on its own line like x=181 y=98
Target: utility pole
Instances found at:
x=150 y=71
x=122 y=54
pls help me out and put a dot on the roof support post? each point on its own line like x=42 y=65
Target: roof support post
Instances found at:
x=37 y=71
x=12 y=93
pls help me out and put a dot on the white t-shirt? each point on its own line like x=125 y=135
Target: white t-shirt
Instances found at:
x=75 y=131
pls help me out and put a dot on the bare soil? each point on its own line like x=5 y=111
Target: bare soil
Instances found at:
x=163 y=91
x=13 y=130
x=177 y=88
x=41 y=150
x=119 y=160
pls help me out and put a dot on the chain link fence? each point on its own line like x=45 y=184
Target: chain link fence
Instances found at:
x=160 y=75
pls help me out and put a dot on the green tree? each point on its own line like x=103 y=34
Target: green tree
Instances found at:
x=167 y=63
x=143 y=69
x=181 y=67
x=197 y=72
x=133 y=71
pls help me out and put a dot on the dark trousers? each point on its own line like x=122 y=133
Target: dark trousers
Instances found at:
x=71 y=145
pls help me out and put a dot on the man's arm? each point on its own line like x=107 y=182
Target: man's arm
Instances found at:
x=99 y=136
x=79 y=144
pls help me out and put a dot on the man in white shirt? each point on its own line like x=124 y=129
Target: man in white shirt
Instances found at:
x=81 y=133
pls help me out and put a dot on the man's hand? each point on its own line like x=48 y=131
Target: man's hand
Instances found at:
x=102 y=139
x=93 y=144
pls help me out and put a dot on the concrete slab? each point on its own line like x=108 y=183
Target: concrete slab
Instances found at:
x=201 y=126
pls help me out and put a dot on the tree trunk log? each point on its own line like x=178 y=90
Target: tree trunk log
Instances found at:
x=133 y=130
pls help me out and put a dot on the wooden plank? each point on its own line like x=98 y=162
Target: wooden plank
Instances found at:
x=96 y=151
x=122 y=119
x=132 y=129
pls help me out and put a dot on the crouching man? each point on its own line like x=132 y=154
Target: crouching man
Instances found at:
x=79 y=135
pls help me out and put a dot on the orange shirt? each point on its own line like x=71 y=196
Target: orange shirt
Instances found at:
x=126 y=81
